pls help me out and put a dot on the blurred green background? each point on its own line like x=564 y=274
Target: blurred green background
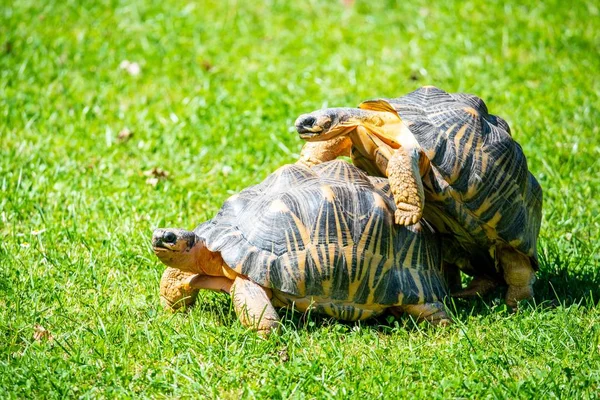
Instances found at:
x=117 y=117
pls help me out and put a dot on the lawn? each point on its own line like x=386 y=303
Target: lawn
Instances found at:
x=118 y=117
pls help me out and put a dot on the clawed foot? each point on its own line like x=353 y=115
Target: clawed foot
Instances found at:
x=176 y=290
x=405 y=218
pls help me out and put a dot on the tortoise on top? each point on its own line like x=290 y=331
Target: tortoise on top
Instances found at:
x=320 y=238
x=448 y=158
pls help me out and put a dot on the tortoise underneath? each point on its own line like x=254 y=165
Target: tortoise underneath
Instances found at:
x=320 y=238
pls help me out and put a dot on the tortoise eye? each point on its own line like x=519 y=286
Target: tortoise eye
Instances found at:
x=327 y=124
x=170 y=237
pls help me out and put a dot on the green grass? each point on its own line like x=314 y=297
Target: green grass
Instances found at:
x=219 y=88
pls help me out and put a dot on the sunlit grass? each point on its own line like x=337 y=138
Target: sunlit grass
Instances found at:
x=219 y=86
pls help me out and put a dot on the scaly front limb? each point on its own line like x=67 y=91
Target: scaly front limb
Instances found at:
x=314 y=153
x=174 y=289
x=406 y=185
x=179 y=288
x=253 y=306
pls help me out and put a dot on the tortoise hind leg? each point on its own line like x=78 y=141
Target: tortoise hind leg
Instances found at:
x=519 y=275
x=253 y=306
x=434 y=313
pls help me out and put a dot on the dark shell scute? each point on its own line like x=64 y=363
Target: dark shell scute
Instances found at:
x=481 y=176
x=325 y=232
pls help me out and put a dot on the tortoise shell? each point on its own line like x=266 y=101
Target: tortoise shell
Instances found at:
x=479 y=187
x=327 y=235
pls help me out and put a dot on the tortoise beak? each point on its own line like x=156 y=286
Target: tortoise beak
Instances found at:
x=305 y=126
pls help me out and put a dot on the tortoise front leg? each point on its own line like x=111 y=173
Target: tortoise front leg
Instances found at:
x=175 y=291
x=179 y=288
x=253 y=306
x=406 y=185
x=314 y=153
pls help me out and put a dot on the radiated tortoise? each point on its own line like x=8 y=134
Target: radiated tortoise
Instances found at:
x=450 y=160
x=322 y=238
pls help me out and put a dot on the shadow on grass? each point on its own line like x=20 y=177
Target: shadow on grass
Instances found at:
x=568 y=275
x=568 y=287
x=556 y=285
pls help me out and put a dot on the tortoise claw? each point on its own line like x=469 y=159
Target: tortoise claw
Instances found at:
x=406 y=218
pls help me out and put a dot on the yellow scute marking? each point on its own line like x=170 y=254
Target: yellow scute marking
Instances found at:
x=418 y=283
x=471 y=110
x=490 y=226
x=378 y=201
x=300 y=273
x=278 y=205
x=487 y=203
x=458 y=137
x=515 y=242
x=328 y=193
x=494 y=221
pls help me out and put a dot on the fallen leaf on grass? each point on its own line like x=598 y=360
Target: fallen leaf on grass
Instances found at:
x=124 y=135
x=132 y=68
x=226 y=170
x=152 y=181
x=283 y=355
x=206 y=65
x=40 y=333
x=155 y=175
x=157 y=172
x=568 y=236
x=414 y=76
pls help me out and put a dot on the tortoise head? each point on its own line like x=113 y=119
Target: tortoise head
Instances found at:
x=177 y=248
x=329 y=123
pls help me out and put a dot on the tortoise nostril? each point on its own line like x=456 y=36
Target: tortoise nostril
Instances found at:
x=169 y=237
